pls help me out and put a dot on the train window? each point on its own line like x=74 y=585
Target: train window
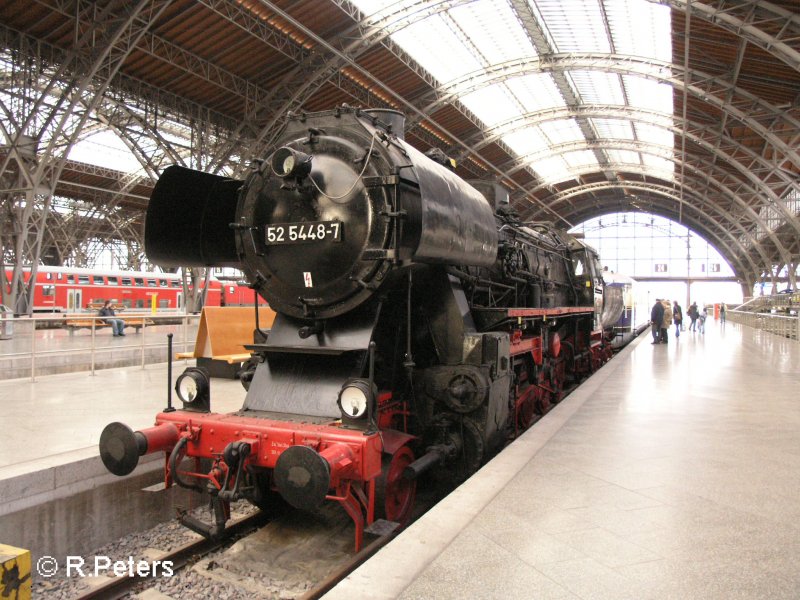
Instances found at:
x=126 y=303
x=140 y=303
x=152 y=283
x=230 y=289
x=59 y=276
x=126 y=281
x=163 y=282
x=48 y=290
x=83 y=279
x=98 y=279
x=138 y=280
x=48 y=276
x=113 y=280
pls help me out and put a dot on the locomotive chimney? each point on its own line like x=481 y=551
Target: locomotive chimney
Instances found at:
x=393 y=118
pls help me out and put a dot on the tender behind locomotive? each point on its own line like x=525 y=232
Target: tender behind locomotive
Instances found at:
x=420 y=324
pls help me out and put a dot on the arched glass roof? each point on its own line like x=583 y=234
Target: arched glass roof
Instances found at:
x=467 y=44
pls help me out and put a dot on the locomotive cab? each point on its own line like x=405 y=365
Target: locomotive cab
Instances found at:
x=588 y=277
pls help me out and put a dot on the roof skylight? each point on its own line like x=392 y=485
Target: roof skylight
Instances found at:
x=460 y=45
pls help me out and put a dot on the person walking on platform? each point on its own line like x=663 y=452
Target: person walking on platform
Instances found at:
x=656 y=317
x=722 y=313
x=677 y=318
x=693 y=314
x=665 y=324
x=117 y=325
x=702 y=319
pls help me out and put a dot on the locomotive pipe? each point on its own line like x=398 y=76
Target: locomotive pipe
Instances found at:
x=173 y=468
x=433 y=457
x=303 y=476
x=169 y=374
x=121 y=447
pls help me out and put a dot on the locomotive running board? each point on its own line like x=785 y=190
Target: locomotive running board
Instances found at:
x=488 y=318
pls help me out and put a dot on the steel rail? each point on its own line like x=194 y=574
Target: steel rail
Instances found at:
x=117 y=587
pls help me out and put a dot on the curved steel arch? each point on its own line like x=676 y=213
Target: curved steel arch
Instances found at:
x=669 y=153
x=674 y=123
x=661 y=192
x=638 y=146
x=655 y=70
x=655 y=118
x=492 y=134
x=659 y=119
x=700 y=175
x=634 y=221
x=740 y=271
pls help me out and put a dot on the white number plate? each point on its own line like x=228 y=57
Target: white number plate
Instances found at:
x=303 y=233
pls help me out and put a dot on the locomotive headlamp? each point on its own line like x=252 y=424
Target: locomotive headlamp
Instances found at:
x=194 y=389
x=355 y=398
x=289 y=163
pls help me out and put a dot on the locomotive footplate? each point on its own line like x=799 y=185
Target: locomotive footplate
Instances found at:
x=490 y=318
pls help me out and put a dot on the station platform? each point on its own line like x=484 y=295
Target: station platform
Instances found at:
x=673 y=472
x=56 y=497
x=65 y=414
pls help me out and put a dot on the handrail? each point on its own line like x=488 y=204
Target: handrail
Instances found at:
x=787 y=326
x=36 y=327
x=757 y=303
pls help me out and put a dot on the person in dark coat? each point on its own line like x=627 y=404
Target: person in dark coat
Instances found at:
x=117 y=325
x=693 y=313
x=677 y=317
x=656 y=317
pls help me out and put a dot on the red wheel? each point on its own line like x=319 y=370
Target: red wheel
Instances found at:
x=395 y=495
x=544 y=403
x=526 y=407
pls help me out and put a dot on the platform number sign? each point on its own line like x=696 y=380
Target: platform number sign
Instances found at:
x=307 y=279
x=661 y=267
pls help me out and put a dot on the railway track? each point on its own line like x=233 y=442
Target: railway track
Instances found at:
x=117 y=587
x=195 y=555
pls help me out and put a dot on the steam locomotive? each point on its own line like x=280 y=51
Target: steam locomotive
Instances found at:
x=420 y=325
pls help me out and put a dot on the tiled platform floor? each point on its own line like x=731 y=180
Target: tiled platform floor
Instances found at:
x=674 y=472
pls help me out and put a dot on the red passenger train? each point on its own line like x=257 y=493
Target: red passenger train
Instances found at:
x=71 y=289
